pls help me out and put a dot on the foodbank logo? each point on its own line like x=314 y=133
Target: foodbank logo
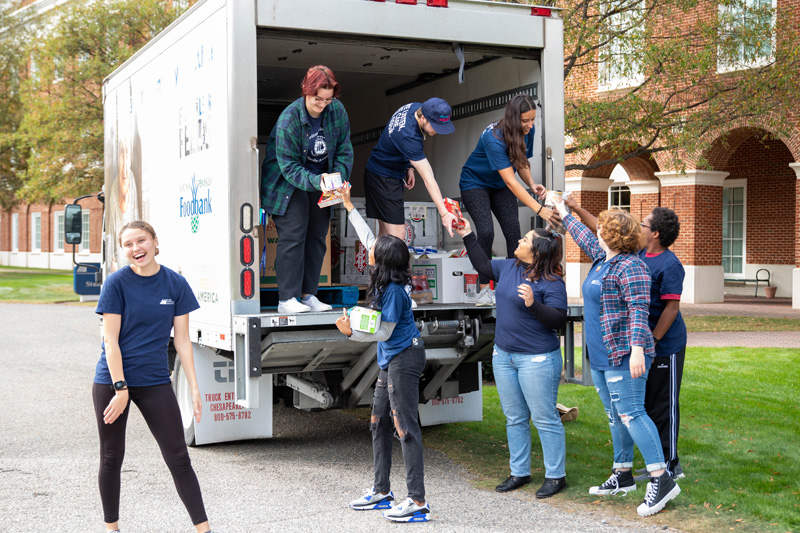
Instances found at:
x=199 y=204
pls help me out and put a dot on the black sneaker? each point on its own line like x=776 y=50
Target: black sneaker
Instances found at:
x=551 y=487
x=660 y=490
x=512 y=483
x=621 y=481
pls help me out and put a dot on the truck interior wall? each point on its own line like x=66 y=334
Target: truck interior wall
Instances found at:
x=368 y=105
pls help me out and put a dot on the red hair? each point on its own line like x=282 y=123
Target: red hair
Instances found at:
x=319 y=77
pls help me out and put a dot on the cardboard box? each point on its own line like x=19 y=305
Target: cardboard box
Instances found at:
x=269 y=236
x=364 y=319
x=445 y=277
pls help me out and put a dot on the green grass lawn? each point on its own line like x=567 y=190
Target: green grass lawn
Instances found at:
x=739 y=444
x=28 y=285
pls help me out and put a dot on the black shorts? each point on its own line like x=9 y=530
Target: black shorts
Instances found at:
x=384 y=198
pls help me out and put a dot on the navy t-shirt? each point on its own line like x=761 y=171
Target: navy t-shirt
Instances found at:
x=666 y=273
x=490 y=155
x=396 y=308
x=317 y=159
x=400 y=142
x=148 y=306
x=517 y=330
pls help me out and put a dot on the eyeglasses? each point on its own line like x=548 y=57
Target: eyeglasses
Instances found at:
x=645 y=226
x=326 y=101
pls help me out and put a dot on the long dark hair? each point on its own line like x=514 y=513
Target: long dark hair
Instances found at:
x=391 y=265
x=511 y=127
x=546 y=250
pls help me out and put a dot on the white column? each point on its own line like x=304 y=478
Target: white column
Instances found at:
x=643 y=187
x=796 y=271
x=702 y=284
x=580 y=184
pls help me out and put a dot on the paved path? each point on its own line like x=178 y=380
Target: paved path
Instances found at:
x=299 y=481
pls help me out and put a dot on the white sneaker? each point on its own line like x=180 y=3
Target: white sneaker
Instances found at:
x=292 y=307
x=314 y=303
x=485 y=297
x=408 y=511
x=372 y=500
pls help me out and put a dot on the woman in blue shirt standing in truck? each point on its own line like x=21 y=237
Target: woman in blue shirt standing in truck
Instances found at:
x=488 y=184
x=310 y=139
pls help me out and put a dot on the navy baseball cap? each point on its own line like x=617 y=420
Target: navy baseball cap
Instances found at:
x=437 y=111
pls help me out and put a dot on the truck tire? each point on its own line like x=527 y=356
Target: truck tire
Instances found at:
x=181 y=387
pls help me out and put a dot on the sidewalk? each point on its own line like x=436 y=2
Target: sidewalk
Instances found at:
x=746 y=306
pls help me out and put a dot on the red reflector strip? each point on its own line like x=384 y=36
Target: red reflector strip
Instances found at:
x=246 y=246
x=541 y=12
x=437 y=3
x=408 y=2
x=248 y=283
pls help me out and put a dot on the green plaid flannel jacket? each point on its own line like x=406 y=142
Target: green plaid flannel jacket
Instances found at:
x=287 y=148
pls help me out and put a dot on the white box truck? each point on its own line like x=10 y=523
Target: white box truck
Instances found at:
x=187 y=116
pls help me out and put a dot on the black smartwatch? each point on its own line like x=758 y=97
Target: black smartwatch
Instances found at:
x=119 y=385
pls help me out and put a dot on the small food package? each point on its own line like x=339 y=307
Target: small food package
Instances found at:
x=329 y=184
x=364 y=319
x=453 y=207
x=421 y=290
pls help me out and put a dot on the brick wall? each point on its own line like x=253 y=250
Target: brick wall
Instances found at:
x=594 y=202
x=699 y=209
x=643 y=204
x=770 y=200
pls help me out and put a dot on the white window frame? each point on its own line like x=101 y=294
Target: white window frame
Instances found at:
x=617 y=188
x=36 y=232
x=15 y=232
x=738 y=63
x=58 y=232
x=86 y=219
x=607 y=80
x=735 y=184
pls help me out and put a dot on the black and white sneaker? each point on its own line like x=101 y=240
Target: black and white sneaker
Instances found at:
x=660 y=490
x=372 y=500
x=621 y=481
x=408 y=511
x=676 y=474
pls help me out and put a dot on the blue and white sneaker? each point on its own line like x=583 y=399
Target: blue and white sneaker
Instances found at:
x=372 y=500
x=408 y=511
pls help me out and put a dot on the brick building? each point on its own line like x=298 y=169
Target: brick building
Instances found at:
x=739 y=210
x=32 y=236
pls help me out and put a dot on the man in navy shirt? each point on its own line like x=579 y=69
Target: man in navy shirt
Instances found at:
x=661 y=228
x=394 y=158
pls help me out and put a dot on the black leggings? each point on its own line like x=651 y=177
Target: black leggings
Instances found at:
x=480 y=204
x=160 y=410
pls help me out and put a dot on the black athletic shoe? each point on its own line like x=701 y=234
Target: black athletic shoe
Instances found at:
x=551 y=487
x=512 y=483
x=618 y=482
x=660 y=490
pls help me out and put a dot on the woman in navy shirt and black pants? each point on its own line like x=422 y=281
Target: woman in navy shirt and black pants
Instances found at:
x=141 y=304
x=531 y=306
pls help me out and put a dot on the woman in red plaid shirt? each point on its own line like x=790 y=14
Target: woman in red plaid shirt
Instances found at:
x=619 y=345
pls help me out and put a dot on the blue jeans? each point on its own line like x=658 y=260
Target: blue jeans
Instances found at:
x=528 y=388
x=623 y=396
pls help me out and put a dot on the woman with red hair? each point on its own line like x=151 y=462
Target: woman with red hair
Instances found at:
x=310 y=140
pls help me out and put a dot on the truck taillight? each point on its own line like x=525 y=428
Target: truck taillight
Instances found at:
x=248 y=282
x=246 y=250
x=408 y=2
x=437 y=3
x=246 y=220
x=541 y=11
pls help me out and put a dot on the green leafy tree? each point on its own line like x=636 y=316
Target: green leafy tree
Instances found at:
x=12 y=64
x=62 y=127
x=675 y=74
